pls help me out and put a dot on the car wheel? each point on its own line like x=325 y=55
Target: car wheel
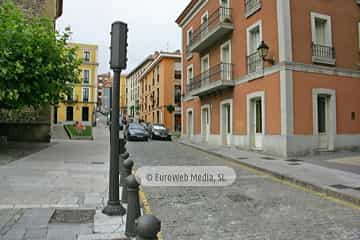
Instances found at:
x=146 y=139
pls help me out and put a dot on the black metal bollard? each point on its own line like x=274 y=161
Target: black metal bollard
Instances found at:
x=128 y=165
x=133 y=209
x=123 y=155
x=147 y=227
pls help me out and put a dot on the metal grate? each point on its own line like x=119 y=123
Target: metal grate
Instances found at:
x=268 y=158
x=294 y=160
x=294 y=164
x=98 y=163
x=339 y=186
x=237 y=197
x=72 y=216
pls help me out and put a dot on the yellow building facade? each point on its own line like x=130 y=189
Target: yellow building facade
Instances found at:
x=81 y=106
x=123 y=96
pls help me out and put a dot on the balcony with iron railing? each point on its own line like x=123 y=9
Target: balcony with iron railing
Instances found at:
x=251 y=7
x=323 y=54
x=218 y=25
x=216 y=78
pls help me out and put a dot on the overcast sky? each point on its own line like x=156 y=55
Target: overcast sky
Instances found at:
x=151 y=25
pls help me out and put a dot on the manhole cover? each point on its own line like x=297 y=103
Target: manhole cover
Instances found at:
x=339 y=186
x=293 y=160
x=268 y=158
x=98 y=163
x=72 y=216
x=242 y=158
x=294 y=164
x=236 y=197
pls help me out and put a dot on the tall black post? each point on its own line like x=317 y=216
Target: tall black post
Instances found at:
x=117 y=63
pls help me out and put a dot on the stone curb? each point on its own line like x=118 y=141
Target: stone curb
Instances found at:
x=308 y=185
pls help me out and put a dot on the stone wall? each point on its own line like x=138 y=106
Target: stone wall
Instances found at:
x=49 y=8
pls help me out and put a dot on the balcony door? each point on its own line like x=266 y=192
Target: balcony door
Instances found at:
x=204 y=24
x=205 y=65
x=225 y=3
x=225 y=59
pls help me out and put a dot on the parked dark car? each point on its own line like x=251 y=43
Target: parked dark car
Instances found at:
x=159 y=131
x=135 y=131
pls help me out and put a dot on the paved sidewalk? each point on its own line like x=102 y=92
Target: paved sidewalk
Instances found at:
x=68 y=182
x=333 y=182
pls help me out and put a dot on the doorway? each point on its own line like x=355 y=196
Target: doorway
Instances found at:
x=257 y=131
x=190 y=123
x=205 y=122
x=226 y=121
x=256 y=120
x=55 y=115
x=85 y=114
x=323 y=120
x=177 y=126
x=69 y=114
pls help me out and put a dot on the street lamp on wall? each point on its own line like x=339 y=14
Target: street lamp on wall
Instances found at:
x=263 y=51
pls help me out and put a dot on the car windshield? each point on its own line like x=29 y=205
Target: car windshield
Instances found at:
x=159 y=127
x=136 y=126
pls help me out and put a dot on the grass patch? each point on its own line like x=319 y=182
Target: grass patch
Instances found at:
x=74 y=133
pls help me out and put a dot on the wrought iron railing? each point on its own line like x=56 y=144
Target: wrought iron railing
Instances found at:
x=251 y=6
x=323 y=51
x=220 y=15
x=254 y=63
x=220 y=72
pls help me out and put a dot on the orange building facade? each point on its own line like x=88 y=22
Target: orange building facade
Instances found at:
x=160 y=91
x=278 y=76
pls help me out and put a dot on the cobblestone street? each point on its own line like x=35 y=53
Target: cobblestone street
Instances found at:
x=255 y=207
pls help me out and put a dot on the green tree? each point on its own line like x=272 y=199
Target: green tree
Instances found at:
x=36 y=66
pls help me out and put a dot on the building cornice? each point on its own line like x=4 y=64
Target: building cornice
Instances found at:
x=192 y=9
x=296 y=67
x=157 y=60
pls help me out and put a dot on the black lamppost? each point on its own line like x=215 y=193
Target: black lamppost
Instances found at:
x=117 y=63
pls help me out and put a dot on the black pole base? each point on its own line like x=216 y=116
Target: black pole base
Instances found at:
x=114 y=209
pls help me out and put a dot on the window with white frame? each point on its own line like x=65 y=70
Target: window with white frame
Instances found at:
x=322 y=47
x=359 y=34
x=190 y=74
x=189 y=36
x=87 y=55
x=321 y=29
x=204 y=23
x=86 y=76
x=254 y=38
x=85 y=94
